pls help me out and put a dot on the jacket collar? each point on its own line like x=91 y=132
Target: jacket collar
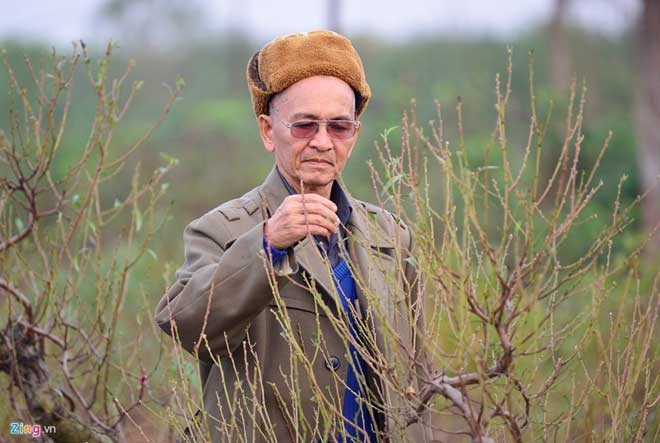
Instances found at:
x=364 y=235
x=273 y=191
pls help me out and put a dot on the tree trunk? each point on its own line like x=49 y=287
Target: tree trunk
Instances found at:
x=648 y=118
x=22 y=357
x=334 y=8
x=559 y=52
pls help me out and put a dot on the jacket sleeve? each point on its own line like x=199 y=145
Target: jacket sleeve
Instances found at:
x=224 y=280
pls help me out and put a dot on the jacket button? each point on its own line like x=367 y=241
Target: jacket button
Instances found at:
x=333 y=363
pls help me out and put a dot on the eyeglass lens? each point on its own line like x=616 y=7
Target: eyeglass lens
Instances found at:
x=336 y=129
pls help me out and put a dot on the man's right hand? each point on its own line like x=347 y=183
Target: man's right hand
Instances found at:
x=298 y=216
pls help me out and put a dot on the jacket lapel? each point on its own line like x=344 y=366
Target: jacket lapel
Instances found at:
x=371 y=251
x=366 y=243
x=309 y=256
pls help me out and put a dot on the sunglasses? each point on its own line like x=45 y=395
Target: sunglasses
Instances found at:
x=337 y=129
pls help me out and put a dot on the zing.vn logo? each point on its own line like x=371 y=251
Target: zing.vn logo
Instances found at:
x=33 y=430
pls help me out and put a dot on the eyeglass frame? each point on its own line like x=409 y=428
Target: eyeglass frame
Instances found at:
x=289 y=125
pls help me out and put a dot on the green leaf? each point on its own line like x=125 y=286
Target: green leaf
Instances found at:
x=389 y=185
x=172 y=161
x=152 y=254
x=75 y=200
x=138 y=218
x=19 y=224
x=411 y=261
x=486 y=168
x=189 y=370
x=387 y=132
x=180 y=83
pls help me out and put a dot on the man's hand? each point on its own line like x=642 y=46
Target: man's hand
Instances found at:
x=298 y=216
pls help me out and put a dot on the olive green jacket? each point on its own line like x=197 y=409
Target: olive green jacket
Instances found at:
x=254 y=358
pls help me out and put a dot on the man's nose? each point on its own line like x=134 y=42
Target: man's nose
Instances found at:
x=321 y=140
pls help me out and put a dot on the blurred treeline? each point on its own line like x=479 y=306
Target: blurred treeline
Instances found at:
x=212 y=130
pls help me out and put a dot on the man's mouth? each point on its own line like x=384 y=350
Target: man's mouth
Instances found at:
x=319 y=161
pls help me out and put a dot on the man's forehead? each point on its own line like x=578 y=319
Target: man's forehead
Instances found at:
x=308 y=94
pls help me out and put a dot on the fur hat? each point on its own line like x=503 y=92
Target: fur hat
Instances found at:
x=291 y=58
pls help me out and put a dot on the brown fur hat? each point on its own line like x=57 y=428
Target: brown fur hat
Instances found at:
x=291 y=58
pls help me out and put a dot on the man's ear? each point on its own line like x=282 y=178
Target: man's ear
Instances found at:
x=265 y=123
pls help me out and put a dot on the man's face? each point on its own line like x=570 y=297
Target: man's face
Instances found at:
x=319 y=160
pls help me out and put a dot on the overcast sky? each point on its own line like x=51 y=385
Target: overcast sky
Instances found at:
x=61 y=21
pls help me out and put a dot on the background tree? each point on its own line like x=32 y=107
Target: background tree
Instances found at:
x=153 y=25
x=334 y=15
x=648 y=116
x=559 y=49
x=69 y=253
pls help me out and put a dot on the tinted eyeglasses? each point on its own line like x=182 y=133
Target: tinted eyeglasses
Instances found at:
x=338 y=129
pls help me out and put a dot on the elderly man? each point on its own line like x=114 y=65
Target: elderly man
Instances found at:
x=272 y=295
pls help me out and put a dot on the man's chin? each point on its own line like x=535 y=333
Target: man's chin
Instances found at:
x=318 y=181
